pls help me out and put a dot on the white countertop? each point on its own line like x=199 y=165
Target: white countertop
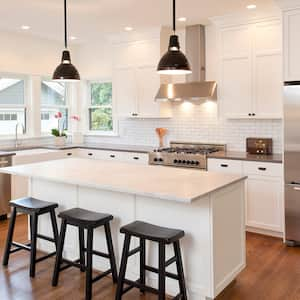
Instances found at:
x=175 y=184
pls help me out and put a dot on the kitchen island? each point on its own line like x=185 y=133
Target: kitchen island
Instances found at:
x=208 y=206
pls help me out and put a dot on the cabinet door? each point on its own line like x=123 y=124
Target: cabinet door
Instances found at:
x=125 y=91
x=264 y=203
x=268 y=70
x=148 y=85
x=137 y=158
x=224 y=166
x=236 y=90
x=291 y=44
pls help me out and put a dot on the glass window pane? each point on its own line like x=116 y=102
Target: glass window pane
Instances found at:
x=53 y=93
x=9 y=119
x=48 y=120
x=101 y=119
x=11 y=91
x=101 y=93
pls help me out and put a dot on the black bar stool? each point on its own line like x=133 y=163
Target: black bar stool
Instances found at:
x=34 y=208
x=163 y=236
x=84 y=219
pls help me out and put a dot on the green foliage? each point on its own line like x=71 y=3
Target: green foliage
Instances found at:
x=101 y=93
x=101 y=119
x=56 y=133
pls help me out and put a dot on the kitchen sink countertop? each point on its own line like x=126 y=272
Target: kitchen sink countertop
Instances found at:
x=273 y=158
x=112 y=147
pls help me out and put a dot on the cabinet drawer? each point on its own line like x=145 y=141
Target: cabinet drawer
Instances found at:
x=264 y=169
x=139 y=158
x=225 y=166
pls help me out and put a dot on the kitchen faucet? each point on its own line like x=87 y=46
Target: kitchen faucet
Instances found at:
x=17 y=144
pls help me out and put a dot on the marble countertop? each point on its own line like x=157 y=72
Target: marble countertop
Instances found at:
x=273 y=158
x=183 y=185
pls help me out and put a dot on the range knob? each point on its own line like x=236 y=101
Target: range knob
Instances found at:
x=161 y=160
x=197 y=163
x=188 y=162
x=179 y=161
x=192 y=162
x=155 y=159
x=183 y=161
x=175 y=161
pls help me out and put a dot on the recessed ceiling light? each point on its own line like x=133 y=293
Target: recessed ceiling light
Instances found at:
x=25 y=27
x=182 y=19
x=128 y=28
x=73 y=38
x=251 y=6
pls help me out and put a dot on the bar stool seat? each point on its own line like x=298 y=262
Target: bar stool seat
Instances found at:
x=89 y=220
x=163 y=236
x=34 y=208
x=152 y=232
x=29 y=204
x=85 y=218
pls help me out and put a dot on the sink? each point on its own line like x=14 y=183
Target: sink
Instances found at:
x=32 y=151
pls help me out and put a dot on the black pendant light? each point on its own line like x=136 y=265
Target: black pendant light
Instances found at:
x=66 y=71
x=174 y=61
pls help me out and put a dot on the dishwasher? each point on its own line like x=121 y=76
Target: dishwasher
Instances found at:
x=5 y=188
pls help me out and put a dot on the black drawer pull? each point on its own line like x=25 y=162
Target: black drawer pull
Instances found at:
x=90 y=154
x=112 y=156
x=136 y=158
x=262 y=169
x=69 y=154
x=224 y=166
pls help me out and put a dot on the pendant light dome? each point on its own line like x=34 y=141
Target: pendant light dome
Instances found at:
x=66 y=71
x=174 y=62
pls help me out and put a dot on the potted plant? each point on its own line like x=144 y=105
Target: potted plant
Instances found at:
x=59 y=134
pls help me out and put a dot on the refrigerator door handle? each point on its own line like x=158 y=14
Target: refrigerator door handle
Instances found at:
x=295 y=186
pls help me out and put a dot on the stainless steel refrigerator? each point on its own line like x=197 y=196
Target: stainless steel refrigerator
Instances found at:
x=292 y=161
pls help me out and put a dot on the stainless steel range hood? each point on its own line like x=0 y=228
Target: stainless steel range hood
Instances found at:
x=195 y=87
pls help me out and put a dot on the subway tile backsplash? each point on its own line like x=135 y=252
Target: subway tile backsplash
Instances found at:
x=196 y=123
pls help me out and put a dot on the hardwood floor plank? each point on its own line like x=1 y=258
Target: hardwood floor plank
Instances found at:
x=272 y=273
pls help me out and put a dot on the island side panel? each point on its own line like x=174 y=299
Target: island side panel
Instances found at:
x=228 y=219
x=122 y=207
x=66 y=197
x=194 y=219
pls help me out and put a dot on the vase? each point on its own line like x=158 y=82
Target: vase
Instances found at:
x=60 y=140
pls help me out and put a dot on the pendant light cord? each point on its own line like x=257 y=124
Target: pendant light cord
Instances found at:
x=66 y=29
x=174 y=16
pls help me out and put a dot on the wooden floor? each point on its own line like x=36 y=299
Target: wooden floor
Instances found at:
x=272 y=273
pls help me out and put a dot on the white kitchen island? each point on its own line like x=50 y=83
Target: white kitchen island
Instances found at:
x=208 y=206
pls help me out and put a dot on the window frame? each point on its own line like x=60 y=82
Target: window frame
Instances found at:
x=57 y=107
x=24 y=106
x=114 y=131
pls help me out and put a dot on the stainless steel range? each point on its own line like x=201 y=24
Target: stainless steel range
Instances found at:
x=187 y=155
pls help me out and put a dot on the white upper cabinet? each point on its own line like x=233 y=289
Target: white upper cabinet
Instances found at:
x=291 y=43
x=136 y=81
x=251 y=70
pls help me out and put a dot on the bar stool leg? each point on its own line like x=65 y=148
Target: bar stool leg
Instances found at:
x=33 y=230
x=9 y=236
x=81 y=249
x=142 y=263
x=162 y=272
x=89 y=268
x=111 y=252
x=123 y=267
x=180 y=272
x=60 y=247
x=54 y=227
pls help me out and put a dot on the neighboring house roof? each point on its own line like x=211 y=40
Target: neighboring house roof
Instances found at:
x=55 y=86
x=7 y=82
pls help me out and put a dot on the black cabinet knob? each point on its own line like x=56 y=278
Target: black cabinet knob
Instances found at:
x=90 y=154
x=112 y=156
x=136 y=158
x=69 y=154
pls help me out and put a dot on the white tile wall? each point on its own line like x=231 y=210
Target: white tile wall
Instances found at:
x=199 y=123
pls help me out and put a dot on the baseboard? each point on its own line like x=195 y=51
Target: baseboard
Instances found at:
x=265 y=232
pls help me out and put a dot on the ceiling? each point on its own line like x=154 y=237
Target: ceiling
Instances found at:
x=90 y=19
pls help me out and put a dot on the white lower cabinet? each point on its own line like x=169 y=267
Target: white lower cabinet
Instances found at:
x=264 y=192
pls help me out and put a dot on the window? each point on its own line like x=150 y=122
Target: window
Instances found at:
x=53 y=100
x=101 y=110
x=12 y=104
